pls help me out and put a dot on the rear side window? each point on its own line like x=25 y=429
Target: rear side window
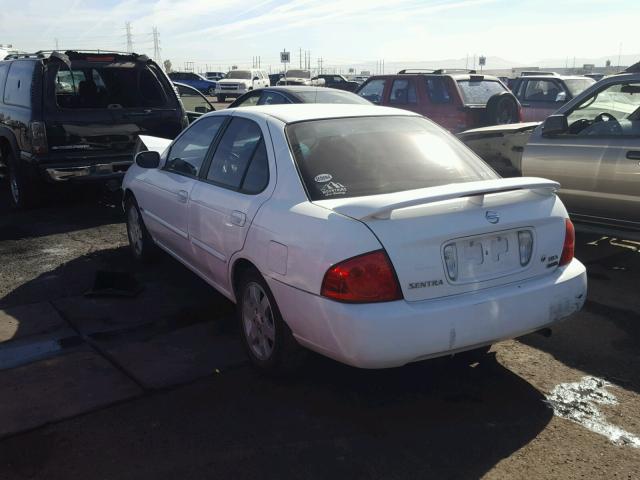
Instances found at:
x=18 y=85
x=350 y=157
x=233 y=163
x=3 y=76
x=479 y=92
x=403 y=92
x=541 y=91
x=437 y=90
x=373 y=90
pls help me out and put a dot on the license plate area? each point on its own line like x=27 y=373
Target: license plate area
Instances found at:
x=486 y=257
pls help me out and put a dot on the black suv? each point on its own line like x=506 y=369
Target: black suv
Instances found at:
x=337 y=81
x=76 y=116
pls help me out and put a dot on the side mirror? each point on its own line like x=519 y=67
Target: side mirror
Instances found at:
x=561 y=97
x=554 y=125
x=148 y=159
x=255 y=78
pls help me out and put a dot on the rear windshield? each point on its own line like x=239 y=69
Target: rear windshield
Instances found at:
x=239 y=75
x=325 y=95
x=351 y=157
x=479 y=92
x=578 y=85
x=127 y=85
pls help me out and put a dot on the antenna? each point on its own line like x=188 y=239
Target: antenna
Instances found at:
x=127 y=27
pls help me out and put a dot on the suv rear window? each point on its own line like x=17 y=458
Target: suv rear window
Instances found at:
x=351 y=157
x=479 y=92
x=108 y=86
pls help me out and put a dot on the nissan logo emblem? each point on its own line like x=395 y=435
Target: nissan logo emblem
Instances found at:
x=492 y=217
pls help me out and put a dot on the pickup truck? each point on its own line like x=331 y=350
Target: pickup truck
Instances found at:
x=591 y=146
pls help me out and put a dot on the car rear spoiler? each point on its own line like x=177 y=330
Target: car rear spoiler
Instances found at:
x=381 y=206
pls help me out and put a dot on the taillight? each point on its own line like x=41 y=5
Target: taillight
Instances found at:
x=569 y=247
x=38 y=133
x=525 y=246
x=365 y=278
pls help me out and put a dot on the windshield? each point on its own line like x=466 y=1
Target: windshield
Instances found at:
x=239 y=74
x=350 y=157
x=324 y=95
x=299 y=73
x=479 y=92
x=621 y=101
x=578 y=85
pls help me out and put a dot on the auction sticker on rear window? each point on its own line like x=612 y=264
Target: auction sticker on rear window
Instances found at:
x=323 y=177
x=333 y=188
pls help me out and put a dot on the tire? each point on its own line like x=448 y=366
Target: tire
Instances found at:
x=211 y=92
x=221 y=98
x=502 y=108
x=267 y=339
x=24 y=184
x=141 y=244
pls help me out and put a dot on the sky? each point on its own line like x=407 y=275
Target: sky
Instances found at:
x=222 y=33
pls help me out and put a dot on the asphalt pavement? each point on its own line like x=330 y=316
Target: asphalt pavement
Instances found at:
x=114 y=370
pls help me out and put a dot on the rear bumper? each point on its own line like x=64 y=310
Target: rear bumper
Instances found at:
x=98 y=171
x=396 y=333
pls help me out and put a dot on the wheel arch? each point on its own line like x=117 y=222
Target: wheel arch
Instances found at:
x=239 y=266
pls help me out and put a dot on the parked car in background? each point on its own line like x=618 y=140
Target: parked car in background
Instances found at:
x=542 y=94
x=596 y=76
x=295 y=77
x=457 y=100
x=591 y=146
x=239 y=82
x=296 y=94
x=337 y=81
x=76 y=117
x=215 y=76
x=274 y=78
x=194 y=103
x=194 y=80
x=297 y=214
x=360 y=79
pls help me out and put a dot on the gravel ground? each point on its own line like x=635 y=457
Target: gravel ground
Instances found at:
x=431 y=420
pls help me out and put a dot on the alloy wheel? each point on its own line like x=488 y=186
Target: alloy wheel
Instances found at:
x=258 y=322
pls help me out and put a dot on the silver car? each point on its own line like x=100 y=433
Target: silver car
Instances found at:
x=591 y=146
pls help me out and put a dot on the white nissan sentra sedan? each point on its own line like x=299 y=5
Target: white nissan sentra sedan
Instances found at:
x=364 y=233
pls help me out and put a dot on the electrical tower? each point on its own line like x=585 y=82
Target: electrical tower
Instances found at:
x=156 y=46
x=127 y=27
x=57 y=44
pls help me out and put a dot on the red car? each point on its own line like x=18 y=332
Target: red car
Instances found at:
x=457 y=100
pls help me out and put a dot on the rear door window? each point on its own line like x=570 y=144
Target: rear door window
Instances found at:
x=373 y=90
x=541 y=91
x=403 y=92
x=350 y=157
x=240 y=144
x=478 y=92
x=18 y=84
x=437 y=90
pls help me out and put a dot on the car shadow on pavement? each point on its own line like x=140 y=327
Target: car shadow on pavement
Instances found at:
x=602 y=340
x=429 y=420
x=65 y=211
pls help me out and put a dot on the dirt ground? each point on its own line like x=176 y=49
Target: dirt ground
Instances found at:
x=156 y=386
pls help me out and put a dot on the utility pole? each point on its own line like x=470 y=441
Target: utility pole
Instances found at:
x=156 y=46
x=127 y=27
x=300 y=58
x=57 y=44
x=619 y=55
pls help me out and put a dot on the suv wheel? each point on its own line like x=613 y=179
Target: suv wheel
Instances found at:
x=266 y=337
x=502 y=108
x=221 y=98
x=23 y=184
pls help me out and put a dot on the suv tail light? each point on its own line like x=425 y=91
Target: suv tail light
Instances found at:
x=365 y=278
x=569 y=247
x=38 y=133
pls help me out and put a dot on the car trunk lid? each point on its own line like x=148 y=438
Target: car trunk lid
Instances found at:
x=483 y=222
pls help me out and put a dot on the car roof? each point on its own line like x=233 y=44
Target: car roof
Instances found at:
x=298 y=112
x=455 y=76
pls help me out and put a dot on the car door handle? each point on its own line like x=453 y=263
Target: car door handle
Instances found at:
x=238 y=218
x=633 y=155
x=183 y=196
